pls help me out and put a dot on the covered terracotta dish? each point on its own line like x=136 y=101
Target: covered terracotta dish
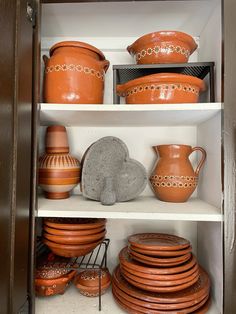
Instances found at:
x=162 y=88
x=163 y=47
x=87 y=282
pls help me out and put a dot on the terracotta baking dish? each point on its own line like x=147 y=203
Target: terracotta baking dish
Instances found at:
x=163 y=47
x=162 y=88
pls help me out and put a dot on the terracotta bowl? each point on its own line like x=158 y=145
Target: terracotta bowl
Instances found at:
x=89 y=285
x=163 y=47
x=71 y=250
x=63 y=239
x=72 y=233
x=75 y=223
x=47 y=287
x=162 y=88
x=90 y=278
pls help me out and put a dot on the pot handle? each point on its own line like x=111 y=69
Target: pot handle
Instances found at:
x=45 y=59
x=202 y=159
x=120 y=90
x=105 y=65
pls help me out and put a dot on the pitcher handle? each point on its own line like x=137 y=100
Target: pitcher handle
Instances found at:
x=202 y=159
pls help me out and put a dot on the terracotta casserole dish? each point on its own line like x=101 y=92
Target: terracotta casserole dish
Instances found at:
x=162 y=88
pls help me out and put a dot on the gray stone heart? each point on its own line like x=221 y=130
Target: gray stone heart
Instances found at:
x=109 y=175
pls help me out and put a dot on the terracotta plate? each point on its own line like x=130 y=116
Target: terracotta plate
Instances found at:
x=74 y=223
x=141 y=309
x=158 y=241
x=160 y=288
x=200 y=288
x=155 y=261
x=126 y=260
x=74 y=239
x=73 y=232
x=181 y=275
x=157 y=306
x=158 y=283
x=161 y=253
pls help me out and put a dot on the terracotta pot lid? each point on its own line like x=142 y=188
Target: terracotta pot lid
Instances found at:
x=158 y=241
x=77 y=44
x=51 y=266
x=200 y=288
x=160 y=78
x=163 y=36
x=74 y=223
x=126 y=260
x=161 y=253
x=142 y=309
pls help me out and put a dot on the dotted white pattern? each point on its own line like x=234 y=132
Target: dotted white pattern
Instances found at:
x=174 y=181
x=74 y=68
x=162 y=49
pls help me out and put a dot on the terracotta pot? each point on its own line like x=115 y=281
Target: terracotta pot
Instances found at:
x=59 y=172
x=92 y=291
x=47 y=287
x=162 y=88
x=90 y=278
x=71 y=250
x=74 y=74
x=173 y=178
x=56 y=140
x=163 y=47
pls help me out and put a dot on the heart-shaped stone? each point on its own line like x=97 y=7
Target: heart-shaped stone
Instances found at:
x=109 y=175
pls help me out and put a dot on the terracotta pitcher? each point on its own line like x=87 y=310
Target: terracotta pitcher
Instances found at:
x=74 y=73
x=173 y=178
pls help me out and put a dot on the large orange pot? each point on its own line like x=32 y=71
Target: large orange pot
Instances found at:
x=74 y=73
x=163 y=47
x=162 y=88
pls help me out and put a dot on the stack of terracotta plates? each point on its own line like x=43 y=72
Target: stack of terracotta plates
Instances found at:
x=159 y=273
x=72 y=237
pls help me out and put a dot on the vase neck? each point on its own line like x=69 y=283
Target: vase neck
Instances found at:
x=173 y=151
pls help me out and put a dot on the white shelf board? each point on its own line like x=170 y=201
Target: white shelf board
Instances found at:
x=73 y=302
x=144 y=207
x=128 y=115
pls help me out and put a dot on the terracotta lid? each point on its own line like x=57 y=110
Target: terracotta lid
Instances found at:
x=164 y=36
x=160 y=78
x=77 y=44
x=200 y=288
x=158 y=241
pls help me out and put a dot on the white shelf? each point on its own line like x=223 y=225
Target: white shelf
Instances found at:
x=128 y=115
x=73 y=302
x=144 y=207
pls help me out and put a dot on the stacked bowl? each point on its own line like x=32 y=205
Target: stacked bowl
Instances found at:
x=159 y=273
x=73 y=237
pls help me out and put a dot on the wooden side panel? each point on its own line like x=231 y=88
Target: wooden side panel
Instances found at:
x=230 y=155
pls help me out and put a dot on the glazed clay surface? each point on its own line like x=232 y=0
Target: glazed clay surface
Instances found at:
x=173 y=178
x=74 y=73
x=163 y=47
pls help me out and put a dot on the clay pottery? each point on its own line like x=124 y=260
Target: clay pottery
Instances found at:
x=173 y=178
x=158 y=283
x=127 y=261
x=162 y=253
x=198 y=290
x=162 y=88
x=158 y=241
x=159 y=262
x=48 y=287
x=163 y=47
x=75 y=224
x=156 y=306
x=73 y=233
x=59 y=172
x=87 y=282
x=74 y=74
x=61 y=239
x=71 y=250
